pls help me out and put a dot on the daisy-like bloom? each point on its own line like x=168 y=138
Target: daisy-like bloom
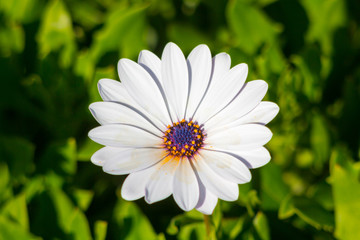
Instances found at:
x=191 y=128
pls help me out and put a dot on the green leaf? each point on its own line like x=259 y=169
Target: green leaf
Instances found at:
x=190 y=225
x=56 y=33
x=252 y=201
x=346 y=191
x=232 y=227
x=314 y=214
x=100 y=230
x=305 y=158
x=261 y=226
x=286 y=209
x=309 y=66
x=5 y=188
x=193 y=231
x=216 y=217
x=63 y=157
x=86 y=13
x=11 y=230
x=116 y=33
x=250 y=25
x=326 y=17
x=273 y=187
x=322 y=193
x=33 y=187
x=320 y=141
x=271 y=61
x=308 y=210
x=16 y=210
x=18 y=153
x=63 y=206
x=22 y=10
x=71 y=219
x=188 y=37
x=12 y=39
x=83 y=198
x=85 y=66
x=182 y=220
x=131 y=223
x=78 y=226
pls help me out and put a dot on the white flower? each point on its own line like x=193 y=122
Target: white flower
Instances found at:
x=187 y=127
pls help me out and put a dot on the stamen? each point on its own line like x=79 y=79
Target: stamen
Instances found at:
x=183 y=138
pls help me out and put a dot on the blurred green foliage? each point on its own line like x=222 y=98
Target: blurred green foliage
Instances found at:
x=52 y=53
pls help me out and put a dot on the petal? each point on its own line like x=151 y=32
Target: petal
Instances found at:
x=253 y=158
x=151 y=63
x=143 y=89
x=241 y=137
x=186 y=187
x=207 y=200
x=262 y=114
x=175 y=78
x=222 y=188
x=222 y=92
x=220 y=66
x=227 y=166
x=249 y=97
x=112 y=112
x=120 y=135
x=112 y=90
x=104 y=154
x=134 y=185
x=132 y=160
x=160 y=185
x=200 y=65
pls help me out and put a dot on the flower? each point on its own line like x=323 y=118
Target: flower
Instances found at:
x=191 y=128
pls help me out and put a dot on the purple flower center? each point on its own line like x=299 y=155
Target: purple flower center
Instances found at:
x=183 y=138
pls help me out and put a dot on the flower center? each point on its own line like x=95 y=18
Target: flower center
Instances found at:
x=183 y=138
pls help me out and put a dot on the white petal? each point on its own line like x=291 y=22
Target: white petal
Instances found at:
x=200 y=65
x=160 y=185
x=119 y=135
x=132 y=160
x=175 y=79
x=186 y=187
x=207 y=200
x=112 y=90
x=253 y=158
x=263 y=114
x=143 y=89
x=227 y=166
x=151 y=63
x=249 y=97
x=220 y=66
x=222 y=92
x=241 y=137
x=104 y=154
x=112 y=112
x=222 y=188
x=134 y=185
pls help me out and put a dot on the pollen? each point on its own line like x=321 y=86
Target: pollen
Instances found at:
x=183 y=138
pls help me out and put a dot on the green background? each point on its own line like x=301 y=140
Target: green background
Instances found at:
x=52 y=53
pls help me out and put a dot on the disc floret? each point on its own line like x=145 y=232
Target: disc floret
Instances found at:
x=183 y=138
